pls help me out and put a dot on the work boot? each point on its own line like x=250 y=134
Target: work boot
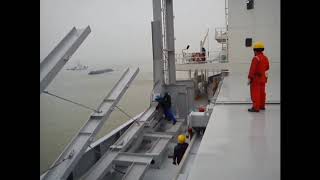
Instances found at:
x=253 y=110
x=174 y=122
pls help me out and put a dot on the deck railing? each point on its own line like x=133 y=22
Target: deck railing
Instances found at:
x=196 y=58
x=221 y=33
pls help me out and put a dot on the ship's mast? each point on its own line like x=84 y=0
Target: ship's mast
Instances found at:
x=157 y=46
x=226 y=19
x=164 y=71
x=170 y=41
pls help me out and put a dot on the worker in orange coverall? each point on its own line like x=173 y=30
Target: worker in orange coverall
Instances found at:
x=258 y=76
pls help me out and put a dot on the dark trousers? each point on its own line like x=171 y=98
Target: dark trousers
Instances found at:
x=168 y=113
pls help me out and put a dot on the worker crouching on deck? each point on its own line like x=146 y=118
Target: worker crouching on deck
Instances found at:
x=165 y=103
x=258 y=76
x=179 y=149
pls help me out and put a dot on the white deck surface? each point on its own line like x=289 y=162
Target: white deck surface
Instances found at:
x=239 y=145
x=235 y=88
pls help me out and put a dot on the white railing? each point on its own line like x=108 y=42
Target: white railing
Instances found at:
x=196 y=58
x=220 y=33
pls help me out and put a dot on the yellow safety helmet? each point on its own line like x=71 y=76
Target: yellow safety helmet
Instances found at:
x=181 y=138
x=258 y=45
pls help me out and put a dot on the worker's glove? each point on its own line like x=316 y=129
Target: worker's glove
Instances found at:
x=174 y=163
x=249 y=82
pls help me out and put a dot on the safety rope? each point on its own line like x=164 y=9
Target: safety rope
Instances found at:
x=56 y=164
x=84 y=106
x=127 y=114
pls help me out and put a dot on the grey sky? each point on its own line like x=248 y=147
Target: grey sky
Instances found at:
x=121 y=30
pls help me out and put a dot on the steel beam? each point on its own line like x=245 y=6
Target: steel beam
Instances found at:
x=73 y=152
x=59 y=56
x=170 y=42
x=103 y=165
x=157 y=45
x=157 y=49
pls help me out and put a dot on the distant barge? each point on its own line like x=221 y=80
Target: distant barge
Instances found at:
x=100 y=71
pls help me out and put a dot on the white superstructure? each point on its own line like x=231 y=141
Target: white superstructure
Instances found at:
x=262 y=23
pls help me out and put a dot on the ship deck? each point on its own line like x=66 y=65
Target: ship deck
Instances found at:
x=238 y=145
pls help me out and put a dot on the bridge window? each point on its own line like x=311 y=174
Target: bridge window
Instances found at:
x=248 y=42
x=250 y=4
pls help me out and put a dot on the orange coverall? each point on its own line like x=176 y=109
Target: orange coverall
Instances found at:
x=258 y=76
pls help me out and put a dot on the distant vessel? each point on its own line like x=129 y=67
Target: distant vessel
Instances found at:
x=100 y=71
x=78 y=67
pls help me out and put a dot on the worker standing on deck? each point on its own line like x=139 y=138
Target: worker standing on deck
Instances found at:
x=165 y=102
x=179 y=149
x=258 y=75
x=203 y=54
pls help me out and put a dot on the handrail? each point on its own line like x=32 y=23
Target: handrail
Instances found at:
x=188 y=58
